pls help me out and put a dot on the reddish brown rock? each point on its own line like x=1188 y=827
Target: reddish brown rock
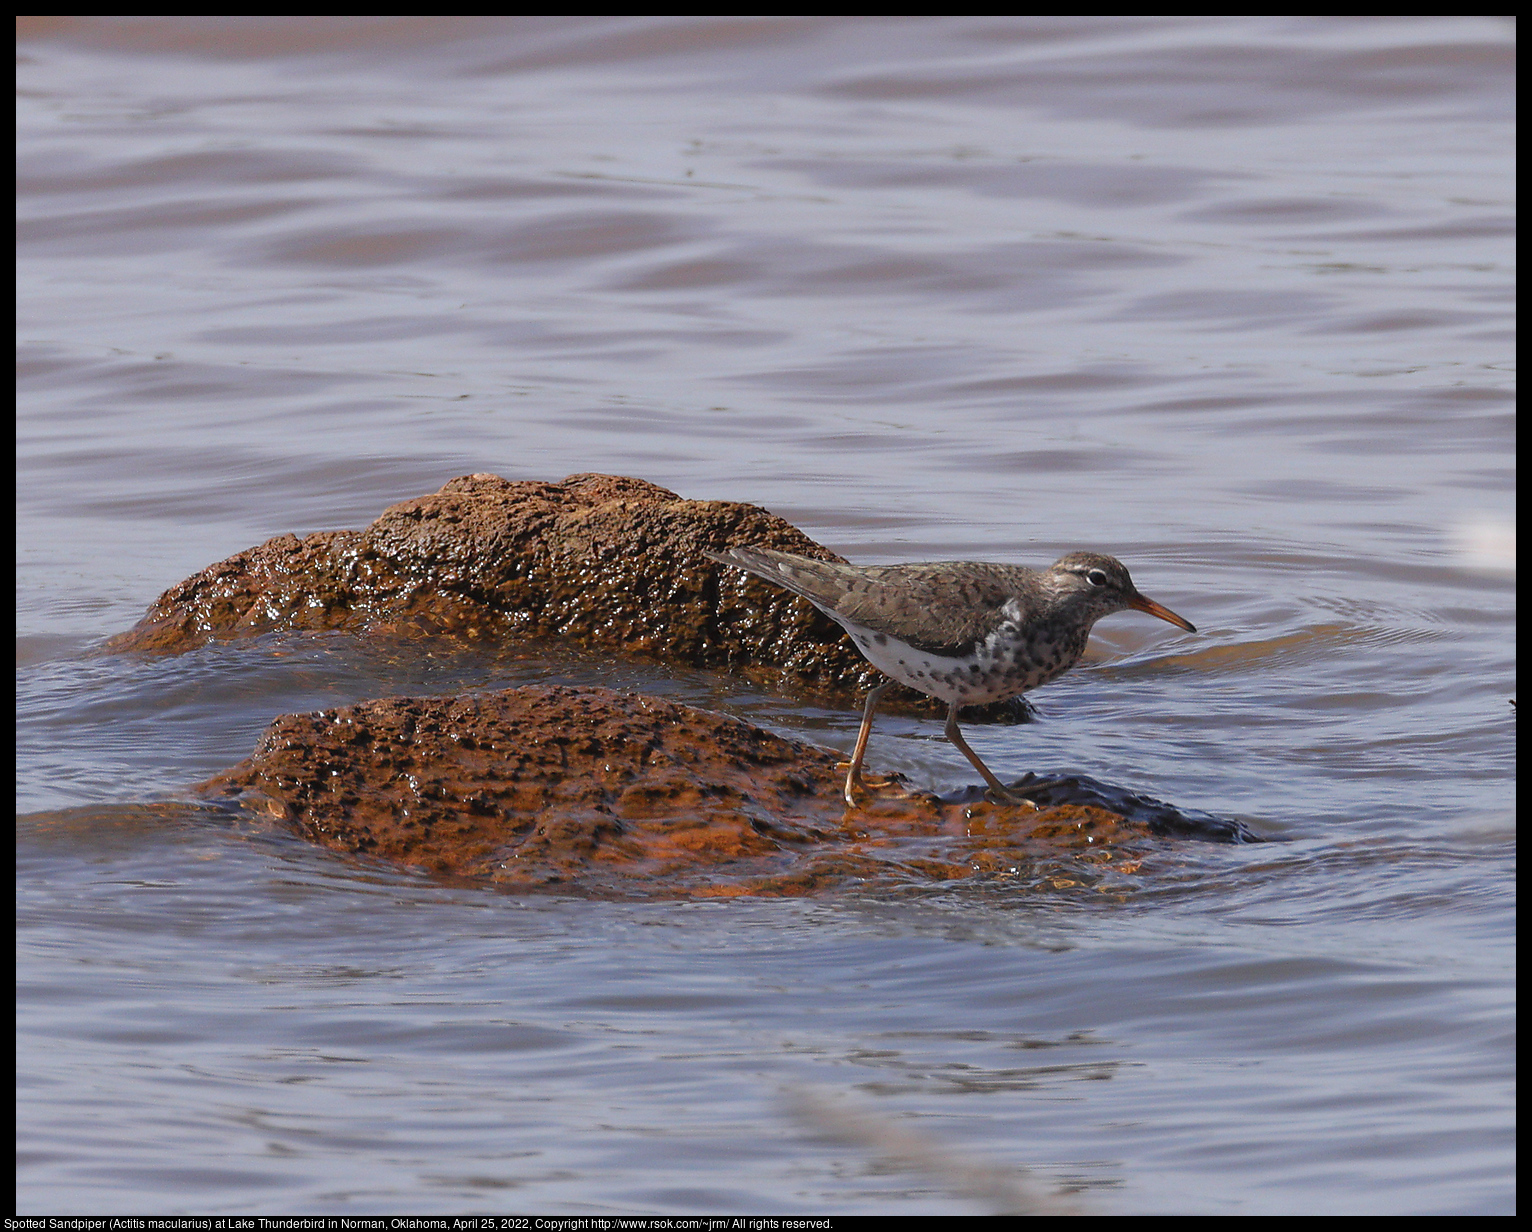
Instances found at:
x=593 y=791
x=598 y=561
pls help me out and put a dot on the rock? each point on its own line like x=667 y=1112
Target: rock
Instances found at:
x=601 y=562
x=590 y=791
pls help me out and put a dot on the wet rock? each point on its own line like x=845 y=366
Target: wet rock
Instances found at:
x=591 y=791
x=598 y=561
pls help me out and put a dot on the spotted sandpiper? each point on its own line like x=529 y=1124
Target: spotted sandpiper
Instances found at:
x=959 y=631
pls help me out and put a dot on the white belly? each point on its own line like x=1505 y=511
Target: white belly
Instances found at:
x=997 y=669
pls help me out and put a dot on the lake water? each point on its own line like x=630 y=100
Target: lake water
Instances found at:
x=1229 y=298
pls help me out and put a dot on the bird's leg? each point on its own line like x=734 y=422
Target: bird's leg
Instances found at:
x=997 y=789
x=854 y=785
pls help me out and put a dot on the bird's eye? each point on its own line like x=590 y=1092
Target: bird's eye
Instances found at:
x=1096 y=577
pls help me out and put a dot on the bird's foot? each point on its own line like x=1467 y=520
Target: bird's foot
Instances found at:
x=999 y=795
x=860 y=787
x=873 y=782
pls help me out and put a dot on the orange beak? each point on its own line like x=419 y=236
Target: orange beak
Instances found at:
x=1140 y=603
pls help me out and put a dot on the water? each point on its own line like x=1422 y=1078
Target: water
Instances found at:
x=1227 y=297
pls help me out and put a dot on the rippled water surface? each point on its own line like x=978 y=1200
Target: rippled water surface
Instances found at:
x=1227 y=297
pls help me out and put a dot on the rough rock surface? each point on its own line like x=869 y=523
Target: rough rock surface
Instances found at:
x=599 y=561
x=590 y=791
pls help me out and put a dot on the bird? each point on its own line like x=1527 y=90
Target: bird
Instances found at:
x=963 y=632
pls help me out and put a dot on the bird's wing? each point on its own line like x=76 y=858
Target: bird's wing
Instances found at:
x=934 y=607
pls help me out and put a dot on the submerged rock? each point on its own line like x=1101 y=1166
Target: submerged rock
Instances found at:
x=592 y=791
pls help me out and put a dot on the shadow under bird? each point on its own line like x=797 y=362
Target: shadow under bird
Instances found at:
x=963 y=632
